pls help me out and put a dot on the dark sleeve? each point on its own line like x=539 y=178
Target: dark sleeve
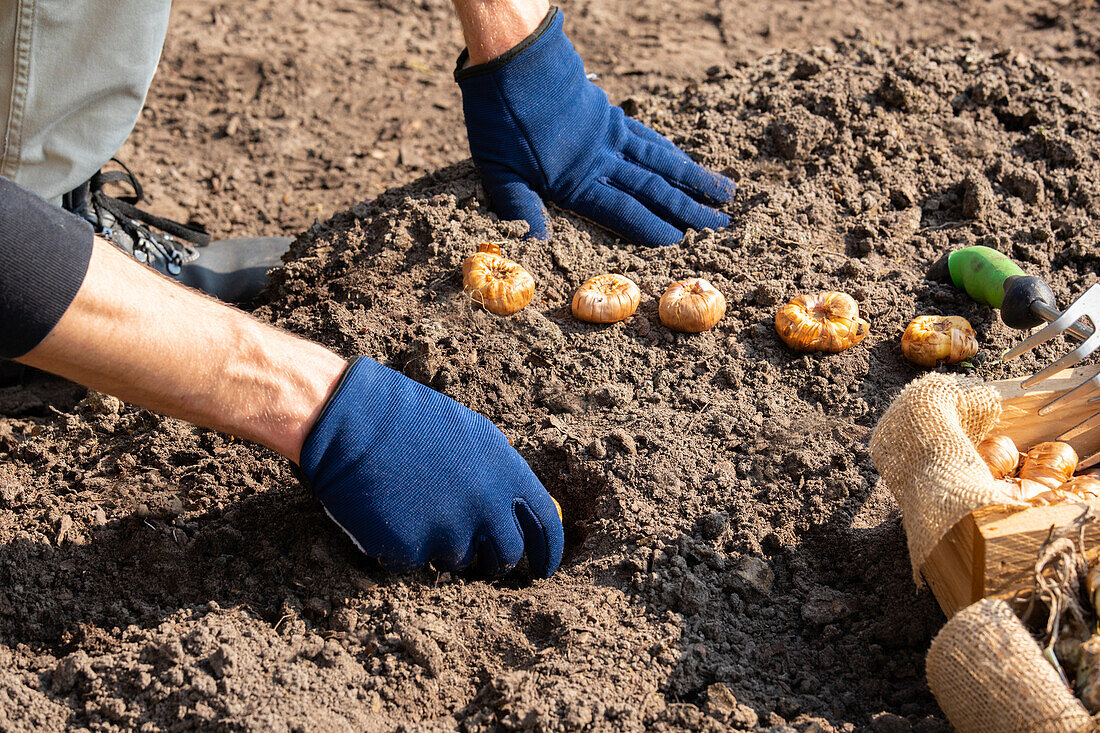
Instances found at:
x=44 y=255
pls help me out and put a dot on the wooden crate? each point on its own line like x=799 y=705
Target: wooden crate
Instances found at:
x=992 y=551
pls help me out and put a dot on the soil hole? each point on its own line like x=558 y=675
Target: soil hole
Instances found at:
x=578 y=486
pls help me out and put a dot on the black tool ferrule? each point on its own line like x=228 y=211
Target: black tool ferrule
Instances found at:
x=939 y=271
x=1021 y=291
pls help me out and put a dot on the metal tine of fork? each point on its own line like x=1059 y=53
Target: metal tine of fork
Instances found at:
x=1070 y=359
x=1071 y=396
x=1089 y=423
x=1089 y=302
x=1071 y=322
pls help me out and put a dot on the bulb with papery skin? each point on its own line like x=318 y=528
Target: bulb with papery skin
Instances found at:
x=1001 y=455
x=606 y=299
x=691 y=305
x=1026 y=490
x=1051 y=464
x=826 y=322
x=1083 y=487
x=502 y=286
x=928 y=340
x=1078 y=488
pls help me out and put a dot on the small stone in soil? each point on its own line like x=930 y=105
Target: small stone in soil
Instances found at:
x=756 y=574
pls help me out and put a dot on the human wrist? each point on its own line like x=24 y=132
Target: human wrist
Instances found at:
x=491 y=28
x=310 y=376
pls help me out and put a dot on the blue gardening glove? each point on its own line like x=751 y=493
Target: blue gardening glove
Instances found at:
x=412 y=476
x=539 y=128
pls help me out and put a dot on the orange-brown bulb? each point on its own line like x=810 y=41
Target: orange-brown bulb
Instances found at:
x=1078 y=488
x=1051 y=464
x=691 y=305
x=928 y=340
x=606 y=299
x=499 y=284
x=826 y=322
x=1082 y=487
x=1001 y=455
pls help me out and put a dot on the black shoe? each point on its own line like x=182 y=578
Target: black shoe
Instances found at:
x=231 y=270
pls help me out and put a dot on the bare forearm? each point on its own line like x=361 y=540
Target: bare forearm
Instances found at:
x=149 y=341
x=492 y=27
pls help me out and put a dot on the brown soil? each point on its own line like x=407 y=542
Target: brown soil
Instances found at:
x=732 y=561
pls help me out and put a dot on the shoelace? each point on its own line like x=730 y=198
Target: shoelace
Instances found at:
x=136 y=223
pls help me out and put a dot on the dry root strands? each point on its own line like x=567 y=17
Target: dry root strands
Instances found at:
x=606 y=299
x=497 y=283
x=1001 y=455
x=1051 y=464
x=691 y=305
x=827 y=322
x=931 y=339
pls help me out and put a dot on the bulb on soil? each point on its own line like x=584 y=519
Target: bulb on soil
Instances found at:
x=931 y=339
x=499 y=284
x=606 y=299
x=1001 y=455
x=826 y=322
x=1051 y=464
x=558 y=507
x=691 y=305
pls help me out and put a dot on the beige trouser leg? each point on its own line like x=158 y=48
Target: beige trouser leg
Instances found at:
x=73 y=78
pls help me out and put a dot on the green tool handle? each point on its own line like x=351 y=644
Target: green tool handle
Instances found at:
x=991 y=278
x=981 y=272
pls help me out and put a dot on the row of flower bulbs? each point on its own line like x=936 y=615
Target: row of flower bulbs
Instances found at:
x=828 y=322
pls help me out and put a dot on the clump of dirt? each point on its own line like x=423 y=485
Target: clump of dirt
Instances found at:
x=732 y=561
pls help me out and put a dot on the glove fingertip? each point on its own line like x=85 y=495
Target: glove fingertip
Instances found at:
x=514 y=200
x=543 y=535
x=537 y=228
x=724 y=189
x=656 y=239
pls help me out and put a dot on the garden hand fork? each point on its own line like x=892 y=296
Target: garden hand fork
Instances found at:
x=1070 y=322
x=991 y=278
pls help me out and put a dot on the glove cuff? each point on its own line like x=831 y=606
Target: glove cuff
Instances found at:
x=306 y=469
x=501 y=61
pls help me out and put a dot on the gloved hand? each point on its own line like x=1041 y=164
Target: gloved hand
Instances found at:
x=412 y=476
x=538 y=127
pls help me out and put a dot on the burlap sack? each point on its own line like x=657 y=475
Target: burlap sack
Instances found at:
x=924 y=449
x=989 y=676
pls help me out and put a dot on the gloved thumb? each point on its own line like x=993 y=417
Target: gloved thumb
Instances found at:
x=513 y=199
